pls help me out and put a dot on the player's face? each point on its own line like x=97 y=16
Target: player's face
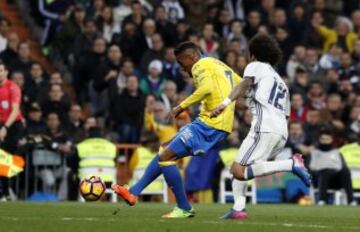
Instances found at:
x=186 y=61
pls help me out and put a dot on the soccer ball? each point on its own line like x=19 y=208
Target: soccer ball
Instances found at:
x=92 y=188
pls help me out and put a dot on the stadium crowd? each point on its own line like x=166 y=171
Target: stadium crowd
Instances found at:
x=125 y=76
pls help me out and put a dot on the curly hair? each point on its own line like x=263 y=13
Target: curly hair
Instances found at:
x=265 y=49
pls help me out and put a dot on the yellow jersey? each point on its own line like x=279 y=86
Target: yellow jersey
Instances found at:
x=213 y=82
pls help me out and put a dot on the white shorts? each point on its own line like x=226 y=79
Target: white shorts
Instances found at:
x=260 y=146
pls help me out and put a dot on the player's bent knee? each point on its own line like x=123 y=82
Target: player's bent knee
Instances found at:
x=167 y=155
x=238 y=171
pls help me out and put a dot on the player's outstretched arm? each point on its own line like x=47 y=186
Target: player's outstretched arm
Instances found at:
x=239 y=91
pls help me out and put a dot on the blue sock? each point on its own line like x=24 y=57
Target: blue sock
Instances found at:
x=173 y=178
x=152 y=171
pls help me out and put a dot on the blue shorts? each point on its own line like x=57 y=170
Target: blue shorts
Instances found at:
x=195 y=138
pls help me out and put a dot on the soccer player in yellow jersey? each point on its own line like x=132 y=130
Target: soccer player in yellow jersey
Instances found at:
x=213 y=81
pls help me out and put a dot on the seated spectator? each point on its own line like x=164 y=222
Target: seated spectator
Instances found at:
x=312 y=65
x=332 y=81
x=312 y=124
x=56 y=79
x=34 y=123
x=59 y=140
x=37 y=84
x=354 y=124
x=137 y=15
x=84 y=41
x=109 y=69
x=86 y=66
x=298 y=141
x=298 y=108
x=11 y=51
x=242 y=61
x=347 y=70
x=333 y=113
x=156 y=52
x=174 y=10
x=127 y=111
x=171 y=69
x=64 y=39
x=316 y=95
x=75 y=124
x=169 y=96
x=164 y=27
x=209 y=44
x=106 y=24
x=341 y=34
x=222 y=23
x=230 y=58
x=253 y=23
x=301 y=82
x=297 y=59
x=121 y=11
x=330 y=170
x=23 y=61
x=236 y=33
x=56 y=103
x=331 y=59
x=153 y=83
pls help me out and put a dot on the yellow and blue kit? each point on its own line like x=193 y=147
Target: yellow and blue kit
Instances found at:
x=213 y=82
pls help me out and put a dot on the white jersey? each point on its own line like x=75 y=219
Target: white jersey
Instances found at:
x=268 y=99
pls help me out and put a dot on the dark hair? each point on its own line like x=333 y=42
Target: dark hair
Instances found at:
x=265 y=49
x=184 y=46
x=326 y=130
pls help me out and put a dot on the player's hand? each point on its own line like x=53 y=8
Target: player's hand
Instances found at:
x=218 y=110
x=3 y=133
x=175 y=112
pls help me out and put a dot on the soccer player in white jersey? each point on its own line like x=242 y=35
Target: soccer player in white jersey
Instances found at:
x=268 y=98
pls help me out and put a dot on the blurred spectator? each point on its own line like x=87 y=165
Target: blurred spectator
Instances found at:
x=169 y=96
x=222 y=23
x=35 y=123
x=121 y=11
x=329 y=168
x=37 y=85
x=84 y=41
x=231 y=59
x=236 y=33
x=333 y=113
x=297 y=60
x=75 y=124
x=4 y=27
x=298 y=141
x=253 y=24
x=127 y=111
x=153 y=82
x=316 y=95
x=171 y=69
x=23 y=61
x=10 y=53
x=347 y=69
x=56 y=103
x=109 y=69
x=312 y=64
x=174 y=10
x=106 y=24
x=209 y=44
x=85 y=69
x=301 y=82
x=331 y=59
x=137 y=15
x=64 y=39
x=164 y=27
x=156 y=52
x=342 y=34
x=298 y=109
x=313 y=124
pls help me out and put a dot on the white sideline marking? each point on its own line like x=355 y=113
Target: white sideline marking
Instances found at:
x=79 y=219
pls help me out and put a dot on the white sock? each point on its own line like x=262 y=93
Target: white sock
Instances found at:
x=239 y=190
x=267 y=168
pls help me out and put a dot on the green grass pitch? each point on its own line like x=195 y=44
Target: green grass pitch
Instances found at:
x=92 y=217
